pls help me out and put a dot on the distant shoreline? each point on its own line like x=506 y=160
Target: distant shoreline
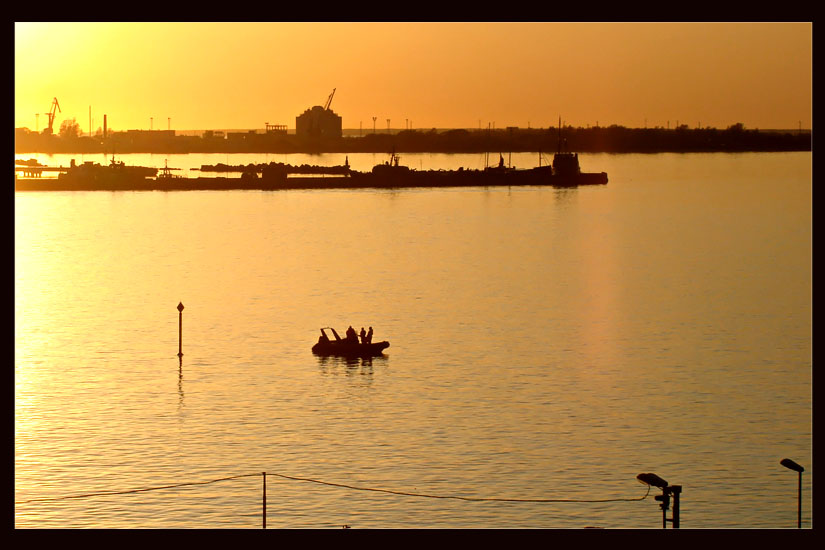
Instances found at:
x=612 y=139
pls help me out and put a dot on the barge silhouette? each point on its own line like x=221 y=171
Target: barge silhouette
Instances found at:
x=564 y=172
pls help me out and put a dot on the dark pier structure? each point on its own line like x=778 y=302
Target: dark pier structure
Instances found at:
x=564 y=172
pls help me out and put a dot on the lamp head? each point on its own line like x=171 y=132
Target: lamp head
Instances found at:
x=790 y=464
x=652 y=479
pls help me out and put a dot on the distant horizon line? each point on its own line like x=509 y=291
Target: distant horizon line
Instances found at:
x=447 y=128
x=346 y=132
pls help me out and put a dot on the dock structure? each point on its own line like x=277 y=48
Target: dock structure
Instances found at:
x=35 y=171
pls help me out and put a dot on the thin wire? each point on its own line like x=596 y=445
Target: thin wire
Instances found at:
x=341 y=485
x=473 y=499
x=104 y=493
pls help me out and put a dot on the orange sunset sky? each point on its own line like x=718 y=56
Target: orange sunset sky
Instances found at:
x=188 y=76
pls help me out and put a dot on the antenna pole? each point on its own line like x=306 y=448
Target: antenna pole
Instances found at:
x=559 y=133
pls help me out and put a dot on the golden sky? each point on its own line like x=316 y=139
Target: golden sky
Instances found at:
x=187 y=76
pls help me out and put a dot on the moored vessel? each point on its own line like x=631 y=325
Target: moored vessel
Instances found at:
x=567 y=171
x=114 y=173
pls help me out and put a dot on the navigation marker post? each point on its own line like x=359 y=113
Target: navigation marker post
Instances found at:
x=180 y=330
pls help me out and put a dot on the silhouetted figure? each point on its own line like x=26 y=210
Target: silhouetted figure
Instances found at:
x=351 y=336
x=323 y=339
x=368 y=339
x=363 y=335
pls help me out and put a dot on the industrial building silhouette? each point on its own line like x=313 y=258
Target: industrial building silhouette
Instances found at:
x=319 y=122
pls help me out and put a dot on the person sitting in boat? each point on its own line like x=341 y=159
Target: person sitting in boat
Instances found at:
x=323 y=339
x=363 y=335
x=368 y=339
x=351 y=336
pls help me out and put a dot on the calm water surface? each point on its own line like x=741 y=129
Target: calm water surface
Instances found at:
x=545 y=344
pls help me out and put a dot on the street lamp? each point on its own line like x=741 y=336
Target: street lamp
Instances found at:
x=664 y=498
x=652 y=479
x=791 y=465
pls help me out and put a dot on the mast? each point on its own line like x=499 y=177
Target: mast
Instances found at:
x=559 y=133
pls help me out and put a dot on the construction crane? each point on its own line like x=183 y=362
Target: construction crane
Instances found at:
x=329 y=100
x=51 y=115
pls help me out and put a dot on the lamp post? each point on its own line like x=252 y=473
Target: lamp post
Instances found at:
x=664 y=498
x=791 y=465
